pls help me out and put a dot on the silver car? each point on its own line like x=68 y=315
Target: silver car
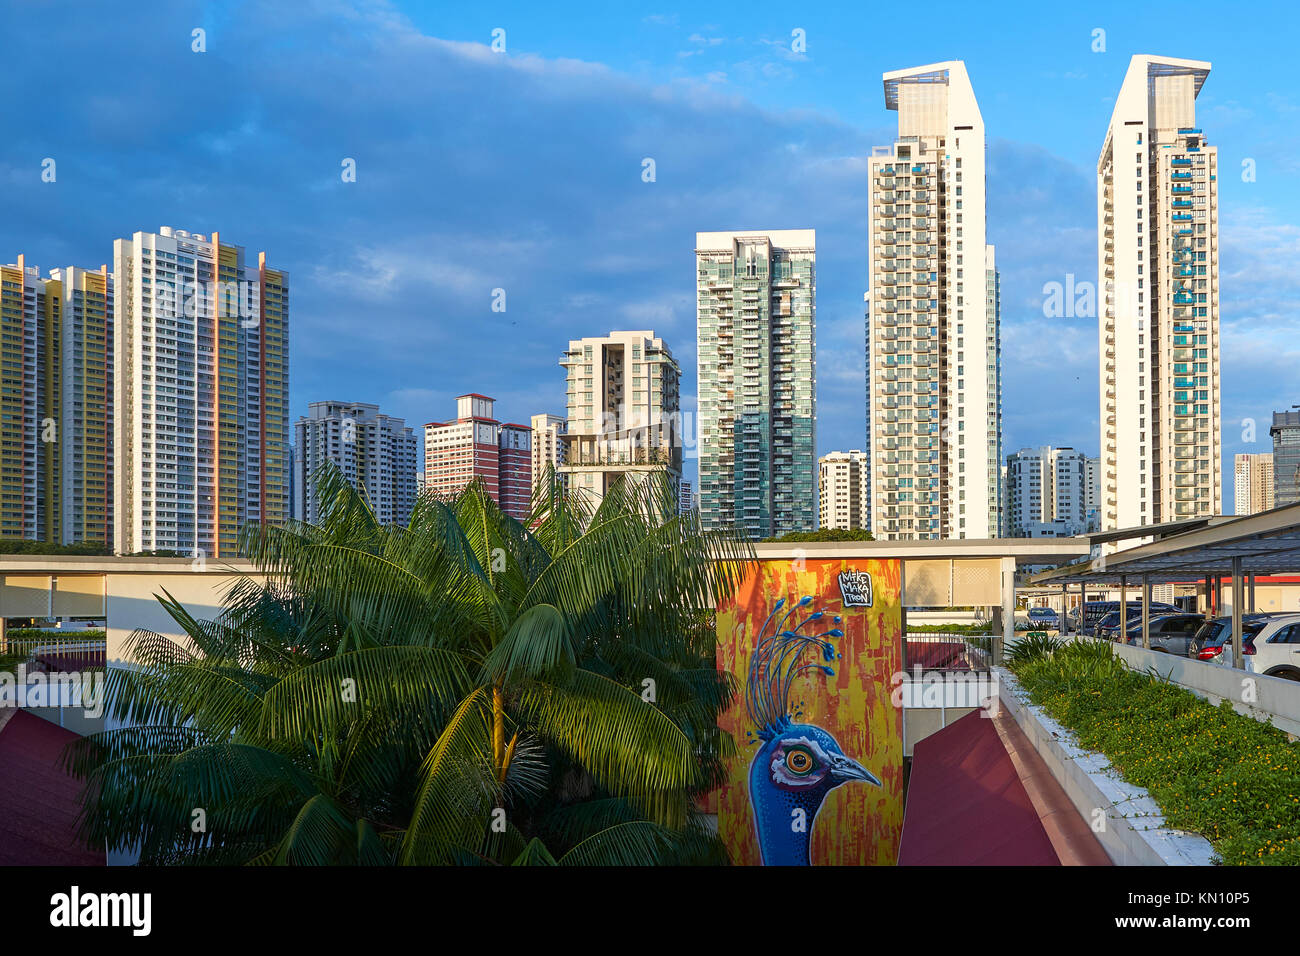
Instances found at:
x=1168 y=633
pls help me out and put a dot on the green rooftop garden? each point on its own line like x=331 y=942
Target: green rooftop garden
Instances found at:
x=1212 y=771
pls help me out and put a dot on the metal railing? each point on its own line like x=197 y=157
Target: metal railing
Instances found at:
x=948 y=652
x=58 y=652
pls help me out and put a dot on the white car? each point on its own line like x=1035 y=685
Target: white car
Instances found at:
x=1277 y=648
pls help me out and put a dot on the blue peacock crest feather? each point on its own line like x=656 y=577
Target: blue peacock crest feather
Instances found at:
x=778 y=659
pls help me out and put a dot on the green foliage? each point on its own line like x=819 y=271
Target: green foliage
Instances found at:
x=25 y=546
x=465 y=689
x=823 y=534
x=1231 y=778
x=54 y=636
x=974 y=629
x=1031 y=647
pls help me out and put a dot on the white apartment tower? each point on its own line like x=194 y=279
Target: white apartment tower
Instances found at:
x=548 y=448
x=1049 y=491
x=623 y=412
x=933 y=370
x=1253 y=485
x=375 y=452
x=201 y=393
x=1158 y=264
x=844 y=487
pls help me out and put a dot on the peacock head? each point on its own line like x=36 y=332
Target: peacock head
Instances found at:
x=807 y=761
x=797 y=764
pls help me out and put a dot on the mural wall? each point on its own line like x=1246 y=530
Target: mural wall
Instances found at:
x=819 y=775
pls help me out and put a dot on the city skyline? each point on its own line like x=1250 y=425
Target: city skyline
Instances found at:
x=345 y=268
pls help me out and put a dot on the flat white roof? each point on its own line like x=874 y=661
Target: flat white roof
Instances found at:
x=781 y=238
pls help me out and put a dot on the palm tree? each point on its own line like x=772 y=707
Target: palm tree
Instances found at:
x=467 y=688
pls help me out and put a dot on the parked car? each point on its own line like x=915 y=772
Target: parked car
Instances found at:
x=1277 y=647
x=1107 y=625
x=1043 y=617
x=1213 y=641
x=1169 y=633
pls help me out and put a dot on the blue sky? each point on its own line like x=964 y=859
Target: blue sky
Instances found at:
x=478 y=170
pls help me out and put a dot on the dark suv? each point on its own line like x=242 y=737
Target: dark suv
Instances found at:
x=1094 y=611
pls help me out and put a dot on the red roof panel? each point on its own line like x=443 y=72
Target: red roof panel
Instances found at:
x=39 y=801
x=966 y=805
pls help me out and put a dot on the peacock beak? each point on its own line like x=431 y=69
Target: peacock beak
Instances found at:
x=845 y=769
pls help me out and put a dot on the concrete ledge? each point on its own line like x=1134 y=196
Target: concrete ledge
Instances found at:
x=1274 y=698
x=1134 y=832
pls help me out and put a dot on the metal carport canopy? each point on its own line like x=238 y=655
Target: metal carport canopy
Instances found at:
x=1267 y=542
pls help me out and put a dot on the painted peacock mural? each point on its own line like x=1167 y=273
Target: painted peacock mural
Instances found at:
x=796 y=764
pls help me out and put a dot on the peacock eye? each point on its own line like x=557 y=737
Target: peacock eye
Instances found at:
x=799 y=761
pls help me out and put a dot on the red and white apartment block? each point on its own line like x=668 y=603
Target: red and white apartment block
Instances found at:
x=476 y=445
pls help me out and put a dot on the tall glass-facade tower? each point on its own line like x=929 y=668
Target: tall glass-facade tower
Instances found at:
x=757 y=352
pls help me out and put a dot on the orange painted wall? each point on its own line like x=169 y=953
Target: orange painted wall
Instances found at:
x=858 y=823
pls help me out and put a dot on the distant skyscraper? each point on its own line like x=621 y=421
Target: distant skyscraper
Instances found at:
x=295 y=500
x=934 y=369
x=1253 y=483
x=623 y=413
x=1158 y=263
x=1092 y=492
x=1048 y=491
x=757 y=353
x=1286 y=457
x=56 y=405
x=30 y=395
x=548 y=447
x=476 y=445
x=201 y=384
x=993 y=383
x=866 y=463
x=845 y=489
x=685 y=497
x=375 y=452
x=515 y=469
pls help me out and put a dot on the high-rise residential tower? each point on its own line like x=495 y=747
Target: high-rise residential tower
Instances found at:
x=548 y=449
x=685 y=497
x=56 y=404
x=31 y=319
x=86 y=405
x=623 y=414
x=1285 y=432
x=515 y=469
x=1048 y=491
x=844 y=487
x=201 y=393
x=1253 y=483
x=933 y=374
x=478 y=446
x=1158 y=309
x=375 y=452
x=757 y=351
